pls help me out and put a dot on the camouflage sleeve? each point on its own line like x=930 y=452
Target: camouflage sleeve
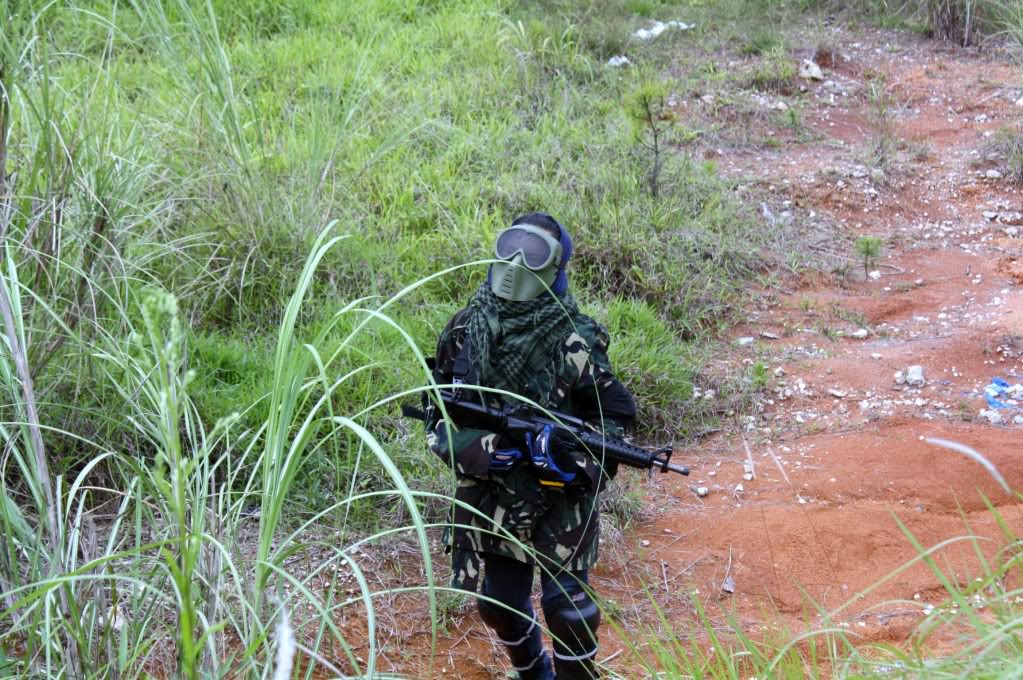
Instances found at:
x=598 y=396
x=471 y=448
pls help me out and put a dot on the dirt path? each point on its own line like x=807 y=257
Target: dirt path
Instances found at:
x=838 y=452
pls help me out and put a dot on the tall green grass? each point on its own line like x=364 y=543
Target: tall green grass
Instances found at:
x=196 y=367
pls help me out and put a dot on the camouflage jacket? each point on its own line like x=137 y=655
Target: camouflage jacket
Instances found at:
x=515 y=516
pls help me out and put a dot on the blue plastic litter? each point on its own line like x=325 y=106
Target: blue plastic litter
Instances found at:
x=998 y=389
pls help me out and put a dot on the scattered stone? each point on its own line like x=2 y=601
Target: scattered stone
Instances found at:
x=745 y=341
x=779 y=372
x=769 y=335
x=728 y=585
x=861 y=334
x=749 y=475
x=875 y=356
x=993 y=174
x=739 y=489
x=1019 y=102
x=833 y=87
x=992 y=416
x=837 y=394
x=809 y=70
x=900 y=378
x=990 y=215
x=620 y=60
x=915 y=376
x=1017 y=420
x=702 y=491
x=874 y=275
x=645 y=543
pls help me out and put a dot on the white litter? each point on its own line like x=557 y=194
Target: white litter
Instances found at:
x=661 y=27
x=621 y=60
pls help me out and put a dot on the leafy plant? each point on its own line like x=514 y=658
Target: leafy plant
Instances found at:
x=759 y=376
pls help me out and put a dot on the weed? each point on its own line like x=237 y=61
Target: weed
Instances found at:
x=884 y=145
x=759 y=376
x=761 y=42
x=775 y=73
x=954 y=20
x=848 y=315
x=1009 y=143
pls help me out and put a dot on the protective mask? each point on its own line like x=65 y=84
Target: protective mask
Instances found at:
x=529 y=263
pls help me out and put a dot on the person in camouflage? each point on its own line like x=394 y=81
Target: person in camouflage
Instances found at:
x=519 y=508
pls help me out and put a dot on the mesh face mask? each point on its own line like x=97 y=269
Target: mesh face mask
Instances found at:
x=530 y=258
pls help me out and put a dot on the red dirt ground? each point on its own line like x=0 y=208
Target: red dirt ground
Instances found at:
x=948 y=299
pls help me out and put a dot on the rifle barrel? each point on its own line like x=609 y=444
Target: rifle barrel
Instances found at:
x=680 y=469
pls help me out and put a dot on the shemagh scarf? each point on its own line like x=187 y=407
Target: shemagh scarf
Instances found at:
x=503 y=335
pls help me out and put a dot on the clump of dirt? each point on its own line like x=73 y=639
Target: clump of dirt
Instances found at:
x=1011 y=267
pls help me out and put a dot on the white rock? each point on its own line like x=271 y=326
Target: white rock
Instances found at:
x=645 y=543
x=745 y=341
x=749 y=475
x=874 y=275
x=621 y=60
x=992 y=416
x=739 y=488
x=833 y=87
x=990 y=215
x=915 y=376
x=1017 y=420
x=860 y=334
x=1019 y=102
x=779 y=372
x=837 y=394
x=993 y=174
x=809 y=70
x=900 y=378
x=702 y=491
x=875 y=356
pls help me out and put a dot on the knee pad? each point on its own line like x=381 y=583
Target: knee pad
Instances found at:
x=512 y=627
x=521 y=637
x=573 y=619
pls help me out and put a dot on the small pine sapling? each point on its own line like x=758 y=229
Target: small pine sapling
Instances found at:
x=650 y=117
x=868 y=248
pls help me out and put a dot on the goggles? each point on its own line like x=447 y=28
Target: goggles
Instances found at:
x=538 y=248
